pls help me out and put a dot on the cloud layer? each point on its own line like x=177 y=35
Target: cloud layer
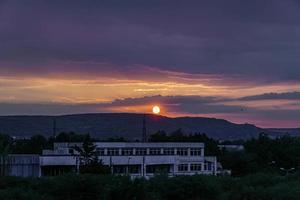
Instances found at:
x=237 y=110
x=207 y=37
x=231 y=59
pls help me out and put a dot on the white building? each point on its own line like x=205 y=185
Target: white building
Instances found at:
x=135 y=158
x=24 y=165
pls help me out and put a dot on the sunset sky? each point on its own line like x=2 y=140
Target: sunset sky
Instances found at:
x=233 y=59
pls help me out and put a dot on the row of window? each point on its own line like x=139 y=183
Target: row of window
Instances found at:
x=152 y=151
x=193 y=167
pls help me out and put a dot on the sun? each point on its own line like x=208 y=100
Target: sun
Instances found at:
x=156 y=110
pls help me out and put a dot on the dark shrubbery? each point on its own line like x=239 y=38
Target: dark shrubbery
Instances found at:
x=79 y=187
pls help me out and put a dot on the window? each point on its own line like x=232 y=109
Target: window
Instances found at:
x=169 y=151
x=134 y=169
x=100 y=151
x=71 y=151
x=195 y=151
x=196 y=167
x=113 y=152
x=183 y=167
x=140 y=151
x=127 y=152
x=119 y=169
x=150 y=169
x=182 y=151
x=208 y=166
x=154 y=151
x=157 y=169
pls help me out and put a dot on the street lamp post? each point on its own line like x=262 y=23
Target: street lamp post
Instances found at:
x=128 y=165
x=287 y=170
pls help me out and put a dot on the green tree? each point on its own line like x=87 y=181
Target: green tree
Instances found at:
x=159 y=136
x=5 y=142
x=69 y=137
x=34 y=145
x=88 y=158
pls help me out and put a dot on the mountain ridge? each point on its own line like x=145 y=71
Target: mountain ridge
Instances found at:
x=127 y=125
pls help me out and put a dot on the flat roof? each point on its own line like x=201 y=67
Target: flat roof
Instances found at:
x=140 y=144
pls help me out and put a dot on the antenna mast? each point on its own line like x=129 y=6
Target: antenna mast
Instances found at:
x=144 y=136
x=54 y=127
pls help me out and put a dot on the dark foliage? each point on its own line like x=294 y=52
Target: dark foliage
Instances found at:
x=262 y=154
x=69 y=137
x=106 y=187
x=88 y=157
x=211 y=145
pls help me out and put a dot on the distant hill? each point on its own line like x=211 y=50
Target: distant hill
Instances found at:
x=104 y=125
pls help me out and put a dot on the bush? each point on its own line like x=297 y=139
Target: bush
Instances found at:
x=108 y=187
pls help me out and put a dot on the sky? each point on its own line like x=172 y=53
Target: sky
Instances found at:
x=236 y=60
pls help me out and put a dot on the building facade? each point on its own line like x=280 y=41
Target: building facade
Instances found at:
x=25 y=165
x=123 y=158
x=135 y=158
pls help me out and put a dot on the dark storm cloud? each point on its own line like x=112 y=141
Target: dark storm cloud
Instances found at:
x=217 y=105
x=273 y=96
x=195 y=105
x=192 y=104
x=257 y=39
x=182 y=104
x=44 y=109
x=175 y=104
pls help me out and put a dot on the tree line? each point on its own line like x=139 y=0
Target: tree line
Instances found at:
x=279 y=155
x=263 y=154
x=107 y=187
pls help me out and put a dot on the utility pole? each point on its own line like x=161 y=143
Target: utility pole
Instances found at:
x=144 y=139
x=144 y=136
x=54 y=127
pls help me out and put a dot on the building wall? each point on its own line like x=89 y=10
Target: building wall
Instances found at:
x=61 y=160
x=125 y=155
x=21 y=165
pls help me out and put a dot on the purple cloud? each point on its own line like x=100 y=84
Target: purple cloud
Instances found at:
x=208 y=37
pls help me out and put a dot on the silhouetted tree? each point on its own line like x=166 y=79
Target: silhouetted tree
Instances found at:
x=34 y=145
x=88 y=157
x=159 y=136
x=5 y=142
x=70 y=137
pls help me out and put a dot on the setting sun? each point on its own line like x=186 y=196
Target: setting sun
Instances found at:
x=156 y=110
